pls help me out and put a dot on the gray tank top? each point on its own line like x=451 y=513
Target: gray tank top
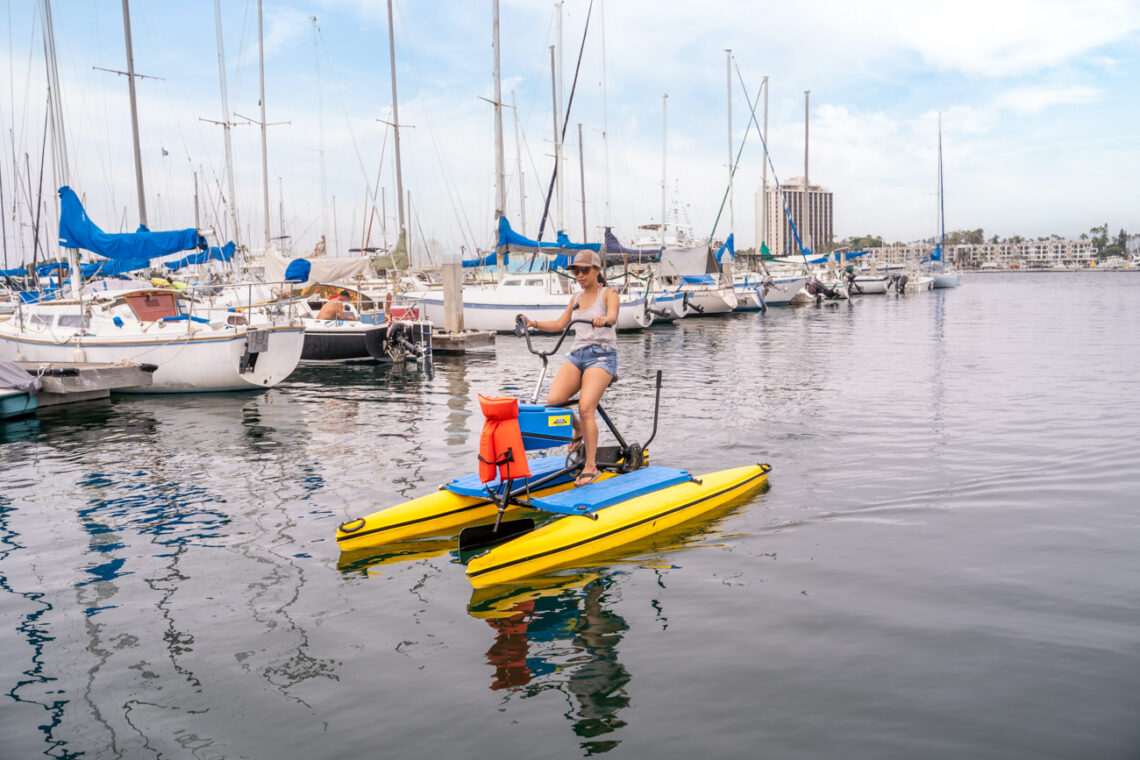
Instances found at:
x=588 y=335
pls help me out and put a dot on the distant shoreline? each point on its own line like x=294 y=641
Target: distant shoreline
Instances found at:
x=1048 y=271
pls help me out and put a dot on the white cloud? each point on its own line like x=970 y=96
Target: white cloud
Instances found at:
x=1032 y=100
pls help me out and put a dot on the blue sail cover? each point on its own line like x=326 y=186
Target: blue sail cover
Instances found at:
x=112 y=267
x=225 y=253
x=13 y=272
x=45 y=269
x=850 y=255
x=486 y=261
x=616 y=253
x=511 y=241
x=77 y=231
x=727 y=247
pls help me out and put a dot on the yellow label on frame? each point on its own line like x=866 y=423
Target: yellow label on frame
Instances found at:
x=560 y=420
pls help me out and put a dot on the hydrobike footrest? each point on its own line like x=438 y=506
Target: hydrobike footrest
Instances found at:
x=469 y=485
x=605 y=493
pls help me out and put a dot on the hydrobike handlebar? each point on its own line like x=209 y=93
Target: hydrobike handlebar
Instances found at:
x=522 y=330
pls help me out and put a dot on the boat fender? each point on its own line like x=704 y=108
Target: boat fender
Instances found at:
x=501 y=444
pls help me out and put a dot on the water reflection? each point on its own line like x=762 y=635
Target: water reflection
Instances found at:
x=558 y=633
x=562 y=632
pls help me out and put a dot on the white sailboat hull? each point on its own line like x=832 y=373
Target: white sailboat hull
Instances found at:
x=199 y=360
x=494 y=309
x=700 y=301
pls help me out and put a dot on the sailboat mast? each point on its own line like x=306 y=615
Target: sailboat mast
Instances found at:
x=58 y=136
x=281 y=208
x=264 y=150
x=396 y=121
x=731 y=201
x=807 y=197
x=664 y=145
x=134 y=111
x=582 y=179
x=605 y=120
x=518 y=161
x=321 y=121
x=764 y=228
x=558 y=132
x=226 y=121
x=557 y=142
x=500 y=172
x=941 y=199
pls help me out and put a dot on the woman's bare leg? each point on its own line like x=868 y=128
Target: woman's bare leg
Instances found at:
x=595 y=380
x=565 y=384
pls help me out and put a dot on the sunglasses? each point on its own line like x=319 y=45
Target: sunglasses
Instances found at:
x=577 y=270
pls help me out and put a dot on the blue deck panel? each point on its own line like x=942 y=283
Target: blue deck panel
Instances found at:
x=605 y=493
x=469 y=485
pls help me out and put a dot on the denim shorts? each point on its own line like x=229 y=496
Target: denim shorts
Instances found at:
x=595 y=356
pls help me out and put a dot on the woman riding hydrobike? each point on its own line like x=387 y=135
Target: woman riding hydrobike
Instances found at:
x=592 y=363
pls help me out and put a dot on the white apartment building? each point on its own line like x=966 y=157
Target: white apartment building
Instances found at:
x=780 y=238
x=1028 y=255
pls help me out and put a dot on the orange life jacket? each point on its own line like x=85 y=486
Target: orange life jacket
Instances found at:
x=501 y=444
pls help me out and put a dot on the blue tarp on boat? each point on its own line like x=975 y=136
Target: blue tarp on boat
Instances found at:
x=616 y=253
x=225 y=253
x=76 y=230
x=298 y=270
x=13 y=272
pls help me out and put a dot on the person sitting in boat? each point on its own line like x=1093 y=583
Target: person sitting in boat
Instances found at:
x=592 y=363
x=334 y=307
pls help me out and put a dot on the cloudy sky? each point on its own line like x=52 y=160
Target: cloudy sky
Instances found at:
x=1040 y=115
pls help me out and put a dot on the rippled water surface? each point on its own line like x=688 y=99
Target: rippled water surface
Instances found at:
x=944 y=566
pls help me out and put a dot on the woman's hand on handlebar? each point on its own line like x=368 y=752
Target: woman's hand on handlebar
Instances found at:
x=600 y=322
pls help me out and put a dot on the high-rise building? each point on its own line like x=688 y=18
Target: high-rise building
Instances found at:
x=780 y=238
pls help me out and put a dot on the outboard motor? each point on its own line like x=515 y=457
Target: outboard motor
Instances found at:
x=400 y=344
x=820 y=291
x=853 y=286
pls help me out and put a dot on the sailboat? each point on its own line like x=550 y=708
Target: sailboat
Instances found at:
x=534 y=286
x=944 y=274
x=195 y=345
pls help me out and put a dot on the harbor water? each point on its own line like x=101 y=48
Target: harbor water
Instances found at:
x=945 y=564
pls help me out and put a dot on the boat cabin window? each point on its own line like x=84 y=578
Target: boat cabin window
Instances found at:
x=534 y=283
x=152 y=307
x=512 y=282
x=74 y=320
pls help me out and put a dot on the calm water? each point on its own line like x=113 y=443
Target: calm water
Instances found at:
x=945 y=565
